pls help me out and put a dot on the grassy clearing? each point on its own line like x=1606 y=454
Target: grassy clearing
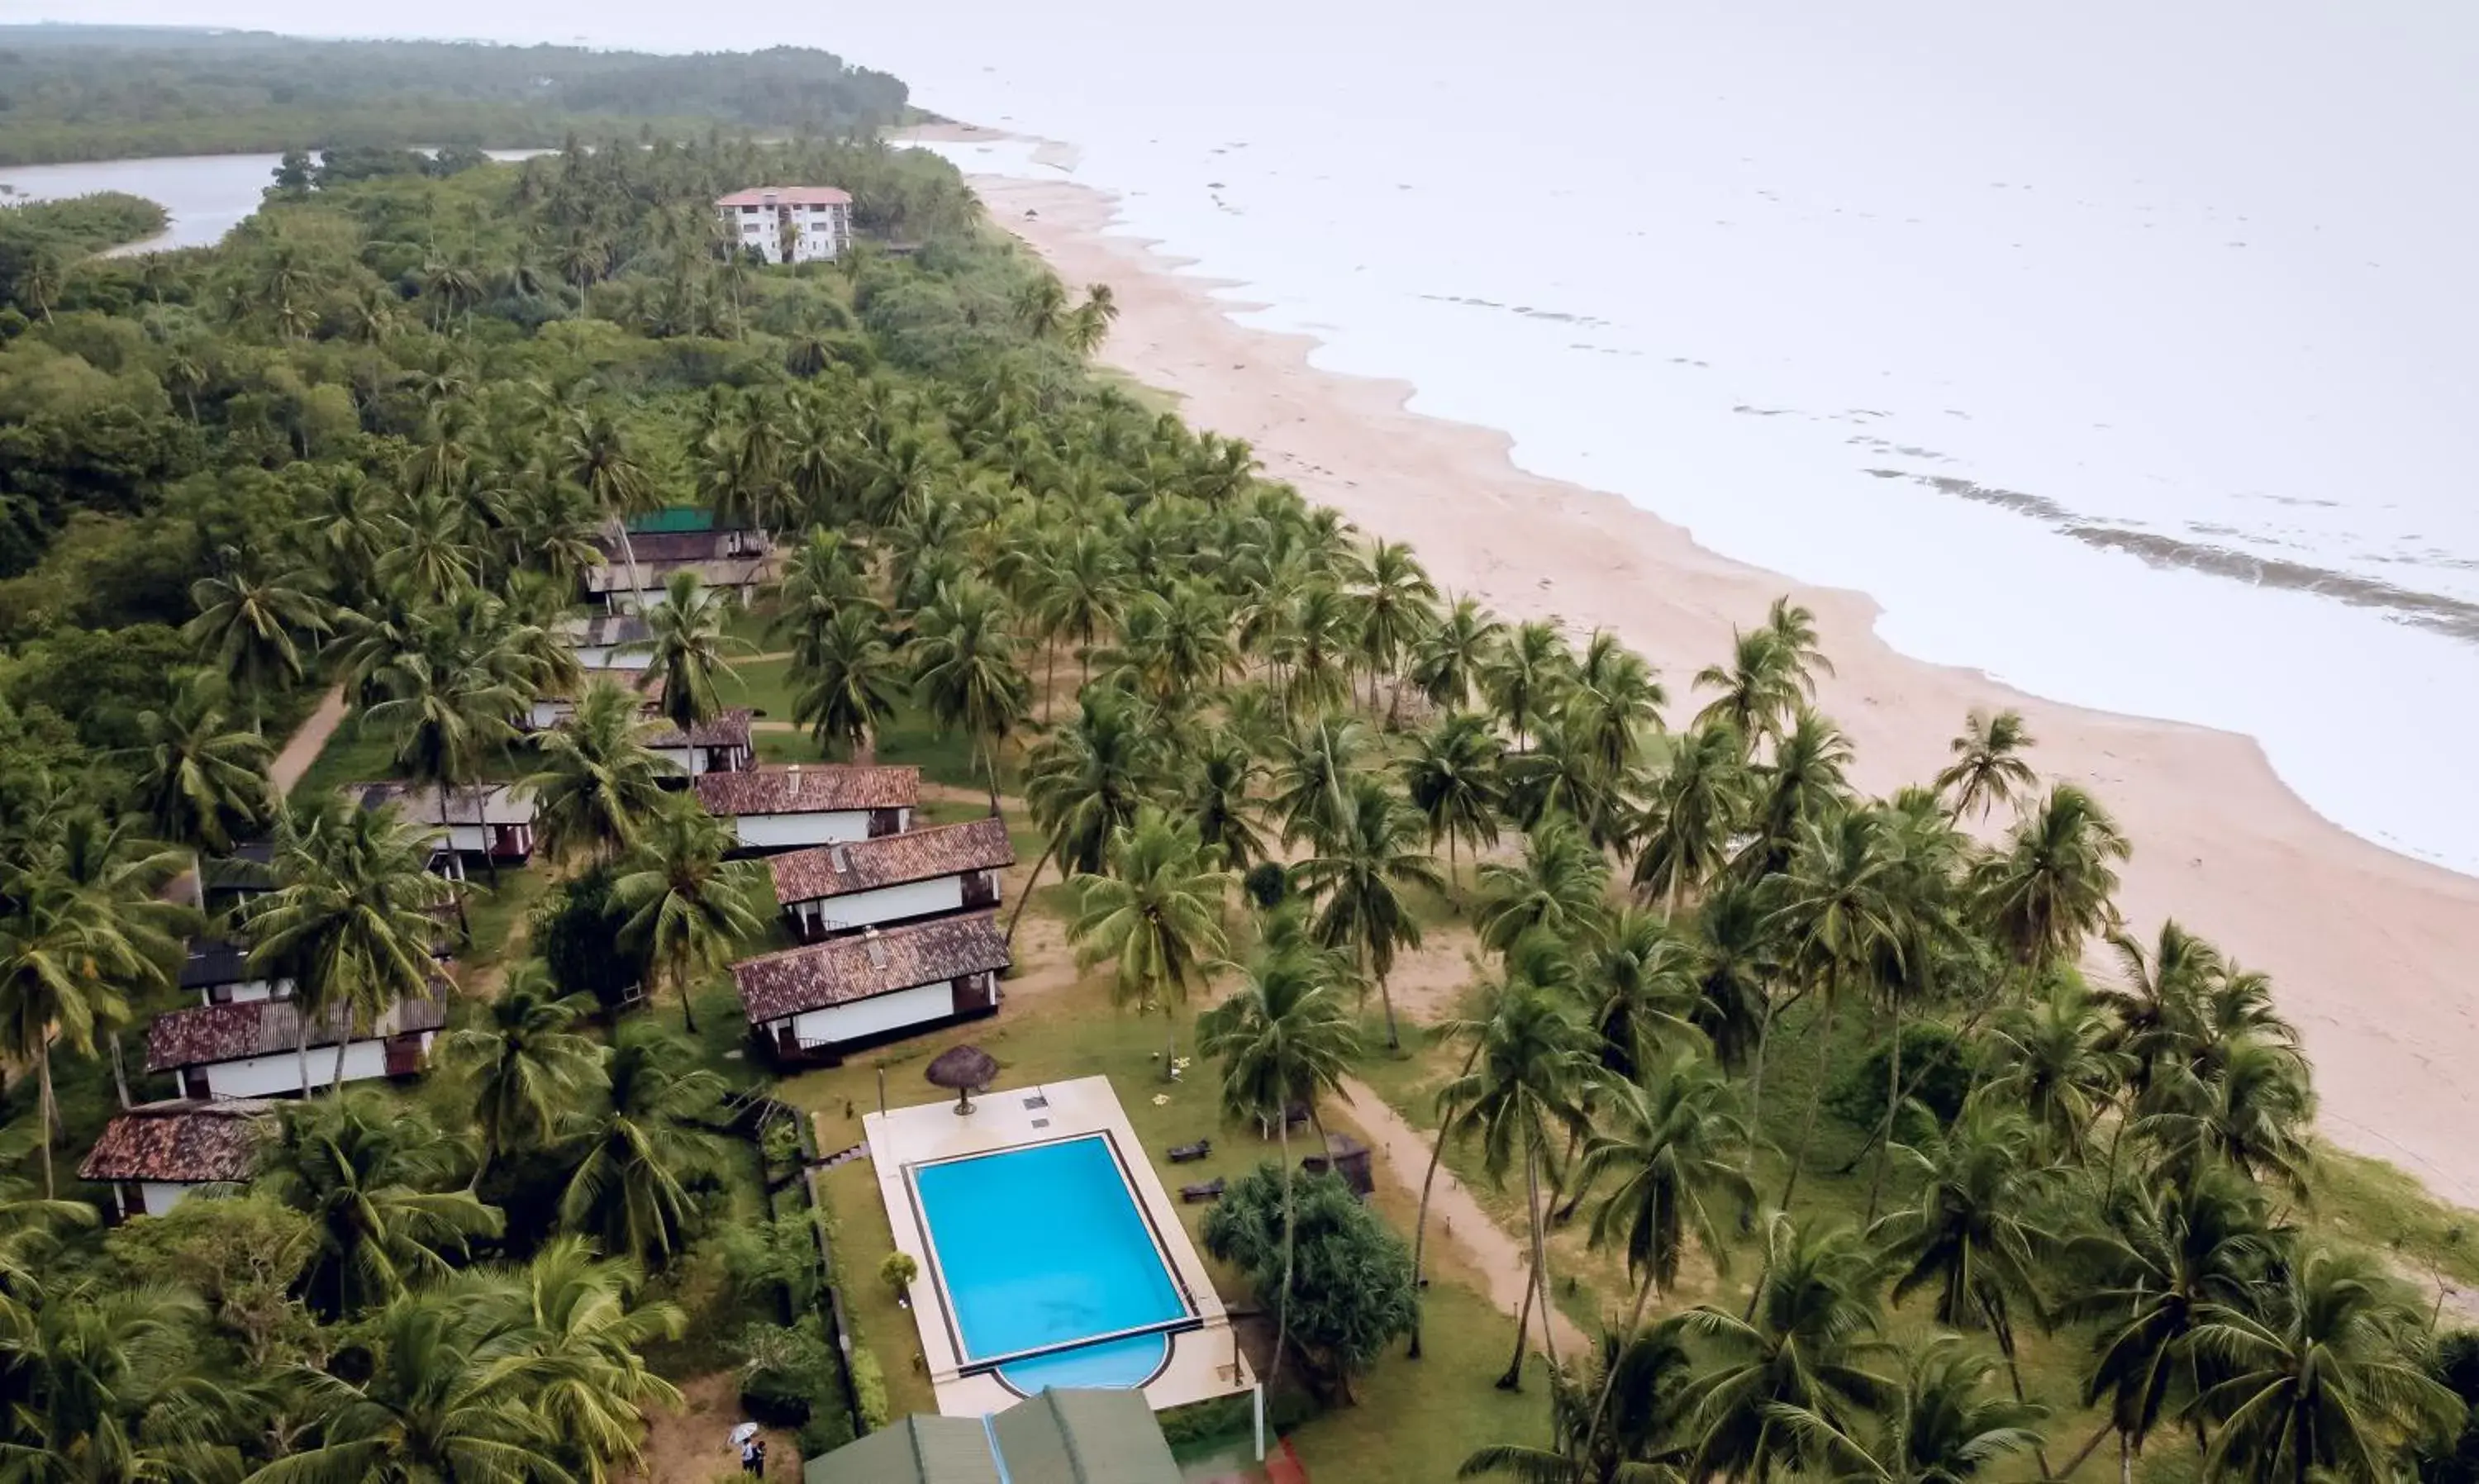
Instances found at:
x=876 y=1320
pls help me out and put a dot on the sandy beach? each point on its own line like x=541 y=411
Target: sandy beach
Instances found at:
x=2370 y=951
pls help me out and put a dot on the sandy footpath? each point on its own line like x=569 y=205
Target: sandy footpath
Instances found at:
x=2376 y=956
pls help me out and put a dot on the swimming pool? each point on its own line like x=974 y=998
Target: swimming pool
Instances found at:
x=1050 y=1271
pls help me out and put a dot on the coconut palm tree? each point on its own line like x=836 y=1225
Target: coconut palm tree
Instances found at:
x=1215 y=797
x=964 y=668
x=1526 y=675
x=1737 y=960
x=1675 y=1151
x=688 y=650
x=253 y=631
x=1639 y=987
x=1156 y=913
x=1695 y=810
x=349 y=921
x=689 y=908
x=643 y=1147
x=1807 y=1345
x=1085 y=782
x=1939 y=1426
x=1315 y=775
x=103 y=1378
x=525 y=1064
x=598 y=783
x=2165 y=1252
x=578 y=1326
x=198 y=782
x=1974 y=1235
x=1987 y=768
x=2324 y=1371
x=1757 y=689
x=1525 y=1084
x=1793 y=629
x=849 y=681
x=1284 y=1036
x=1620 y=1420
x=63 y=958
x=1451 y=777
x=1840 y=915
x=1397 y=603
x=1617 y=699
x=2050 y=887
x=1802 y=785
x=1449 y=659
x=2248 y=1109
x=592 y=452
x=448 y=721
x=379 y=1185
x=1561 y=888
x=1360 y=873
x=1081 y=593
x=2054 y=1058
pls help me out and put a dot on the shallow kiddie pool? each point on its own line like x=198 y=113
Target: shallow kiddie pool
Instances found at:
x=1050 y=1272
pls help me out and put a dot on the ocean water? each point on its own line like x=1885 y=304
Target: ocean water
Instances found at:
x=2120 y=350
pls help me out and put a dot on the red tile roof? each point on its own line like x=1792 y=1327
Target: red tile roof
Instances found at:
x=261 y=1028
x=185 y=1140
x=786 y=196
x=808 y=789
x=845 y=969
x=729 y=729
x=889 y=861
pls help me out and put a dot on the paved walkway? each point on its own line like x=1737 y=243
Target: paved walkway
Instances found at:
x=1454 y=1214
x=303 y=747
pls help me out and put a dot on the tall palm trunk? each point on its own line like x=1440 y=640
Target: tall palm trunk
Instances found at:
x=1283 y=1309
x=1512 y=1380
x=1540 y=1251
x=1420 y=1224
x=120 y=1073
x=1610 y=1382
x=343 y=1043
x=1893 y=1100
x=301 y=1037
x=1815 y=1100
x=628 y=556
x=1047 y=851
x=44 y=1113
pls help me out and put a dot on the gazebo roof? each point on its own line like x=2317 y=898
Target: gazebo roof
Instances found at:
x=963 y=1069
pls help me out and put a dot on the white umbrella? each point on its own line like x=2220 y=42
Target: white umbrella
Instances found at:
x=743 y=1433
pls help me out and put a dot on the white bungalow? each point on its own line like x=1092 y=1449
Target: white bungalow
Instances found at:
x=246 y=1049
x=818 y=1001
x=218 y=969
x=156 y=1153
x=721 y=744
x=492 y=821
x=610 y=641
x=828 y=889
x=770 y=810
x=548 y=710
x=735 y=560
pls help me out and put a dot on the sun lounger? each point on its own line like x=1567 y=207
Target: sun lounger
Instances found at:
x=1181 y=1154
x=1196 y=1194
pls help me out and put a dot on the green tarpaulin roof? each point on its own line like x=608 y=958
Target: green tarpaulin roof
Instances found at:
x=671 y=519
x=1059 y=1437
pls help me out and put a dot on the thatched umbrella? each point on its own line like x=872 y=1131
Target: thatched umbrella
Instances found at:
x=966 y=1068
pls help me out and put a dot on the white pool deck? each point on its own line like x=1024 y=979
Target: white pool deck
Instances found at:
x=1204 y=1363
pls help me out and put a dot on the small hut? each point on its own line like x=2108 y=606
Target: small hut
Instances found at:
x=1346 y=1157
x=967 y=1069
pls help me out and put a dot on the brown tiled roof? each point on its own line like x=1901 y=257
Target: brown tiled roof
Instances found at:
x=891 y=859
x=729 y=729
x=810 y=789
x=186 y=1141
x=491 y=803
x=262 y=1028
x=844 y=969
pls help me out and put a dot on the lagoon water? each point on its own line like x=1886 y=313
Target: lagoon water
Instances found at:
x=2121 y=350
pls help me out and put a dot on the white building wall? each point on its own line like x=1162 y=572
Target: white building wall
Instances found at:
x=159 y=1196
x=248 y=991
x=879 y=1012
x=280 y=1075
x=887 y=904
x=611 y=657
x=790 y=831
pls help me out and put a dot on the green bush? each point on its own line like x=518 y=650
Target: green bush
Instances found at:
x=1936 y=1071
x=791 y=1373
x=869 y=1385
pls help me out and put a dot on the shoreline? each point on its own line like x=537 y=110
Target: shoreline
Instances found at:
x=2369 y=972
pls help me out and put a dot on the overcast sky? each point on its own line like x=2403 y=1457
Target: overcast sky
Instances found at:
x=640 y=23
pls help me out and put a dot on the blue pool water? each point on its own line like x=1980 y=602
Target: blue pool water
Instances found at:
x=1041 y=1247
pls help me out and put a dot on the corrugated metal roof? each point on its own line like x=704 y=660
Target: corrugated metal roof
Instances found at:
x=915 y=1450
x=1079 y=1436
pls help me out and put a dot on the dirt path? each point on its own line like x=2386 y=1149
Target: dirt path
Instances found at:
x=692 y=1445
x=1454 y=1215
x=303 y=747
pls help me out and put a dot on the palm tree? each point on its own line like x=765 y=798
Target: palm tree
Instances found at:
x=643 y=1147
x=1806 y=1347
x=61 y=952
x=103 y=1384
x=2053 y=1058
x=1215 y=797
x=849 y=681
x=689 y=908
x=1737 y=958
x=1794 y=633
x=525 y=1064
x=2248 y=1109
x=598 y=783
x=1397 y=606
x=1156 y=912
x=1987 y=767
x=2328 y=1374
x=1079 y=596
x=1758 y=688
x=1451 y=777
x=1839 y=912
x=687 y=648
x=1533 y=1056
x=1561 y=886
x=349 y=921
x=580 y=1329
x=253 y=631
x=1638 y=984
x=1315 y=775
x=1283 y=1037
x=964 y=667
x=1360 y=871
x=2165 y=1252
x=1974 y=1235
x=1449 y=660
x=1526 y=675
x=434 y=1405
x=378 y=1183
x=1693 y=813
x=1085 y=782
x=1623 y=1419
x=593 y=454
x=1938 y=1427
x=1618 y=698
x=448 y=721
x=1677 y=1151
x=2049 y=888
x=1801 y=785
x=198 y=783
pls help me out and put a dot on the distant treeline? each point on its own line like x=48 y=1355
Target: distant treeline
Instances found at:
x=97 y=93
